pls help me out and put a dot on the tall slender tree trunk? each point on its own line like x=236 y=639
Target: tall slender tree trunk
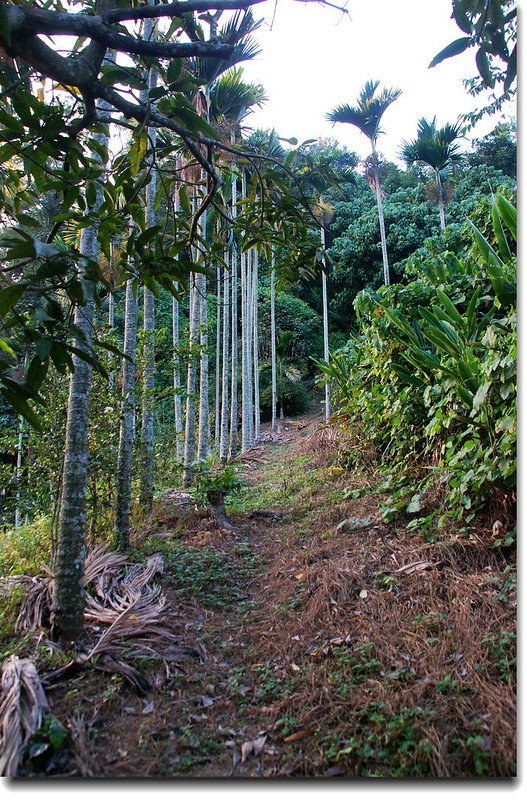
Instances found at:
x=190 y=411
x=256 y=365
x=203 y=416
x=378 y=197
x=247 y=409
x=149 y=325
x=224 y=421
x=111 y=311
x=441 y=201
x=68 y=598
x=126 y=434
x=217 y=387
x=19 y=451
x=325 y=323
x=178 y=412
x=233 y=433
x=274 y=426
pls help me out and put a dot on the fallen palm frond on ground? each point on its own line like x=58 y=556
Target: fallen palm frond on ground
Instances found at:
x=140 y=624
x=102 y=566
x=23 y=705
x=137 y=623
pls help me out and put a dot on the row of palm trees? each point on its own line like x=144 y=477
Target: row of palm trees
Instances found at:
x=227 y=101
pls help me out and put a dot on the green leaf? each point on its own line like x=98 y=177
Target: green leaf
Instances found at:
x=461 y=18
x=449 y=306
x=147 y=236
x=20 y=405
x=480 y=396
x=482 y=63
x=5 y=25
x=453 y=49
x=43 y=347
x=508 y=214
x=128 y=76
x=10 y=295
x=7 y=349
x=91 y=194
x=511 y=70
x=484 y=247
x=174 y=70
x=137 y=151
x=56 y=732
x=27 y=220
x=36 y=373
x=465 y=395
x=503 y=245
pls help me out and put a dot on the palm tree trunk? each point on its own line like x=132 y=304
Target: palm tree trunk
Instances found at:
x=203 y=426
x=126 y=434
x=224 y=425
x=441 y=201
x=255 y=349
x=149 y=323
x=18 y=474
x=68 y=599
x=190 y=412
x=246 y=350
x=378 y=197
x=274 y=426
x=233 y=434
x=217 y=392
x=178 y=413
x=325 y=323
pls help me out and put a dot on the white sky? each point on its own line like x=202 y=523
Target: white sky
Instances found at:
x=314 y=59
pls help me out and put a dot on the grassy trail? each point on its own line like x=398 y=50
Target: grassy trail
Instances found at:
x=331 y=643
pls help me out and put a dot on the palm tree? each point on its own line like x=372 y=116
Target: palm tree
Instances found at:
x=149 y=314
x=366 y=116
x=274 y=426
x=126 y=434
x=435 y=147
x=231 y=101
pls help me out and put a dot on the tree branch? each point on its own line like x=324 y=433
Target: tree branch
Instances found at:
x=27 y=23
x=176 y=9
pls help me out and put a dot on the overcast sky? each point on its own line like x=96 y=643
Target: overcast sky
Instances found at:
x=314 y=58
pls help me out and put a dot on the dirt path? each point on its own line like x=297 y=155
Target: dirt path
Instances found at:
x=331 y=644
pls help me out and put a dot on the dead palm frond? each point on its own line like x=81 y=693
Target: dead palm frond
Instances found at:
x=85 y=758
x=35 y=612
x=102 y=567
x=139 y=624
x=23 y=705
x=102 y=561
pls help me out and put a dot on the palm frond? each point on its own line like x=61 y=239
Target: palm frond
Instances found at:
x=367 y=114
x=101 y=569
x=232 y=98
x=236 y=32
x=434 y=146
x=23 y=705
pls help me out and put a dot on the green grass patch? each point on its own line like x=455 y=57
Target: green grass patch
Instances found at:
x=382 y=743
x=213 y=577
x=23 y=549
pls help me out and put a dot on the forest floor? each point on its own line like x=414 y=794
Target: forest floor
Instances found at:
x=331 y=644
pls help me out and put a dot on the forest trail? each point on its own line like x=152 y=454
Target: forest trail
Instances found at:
x=330 y=643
